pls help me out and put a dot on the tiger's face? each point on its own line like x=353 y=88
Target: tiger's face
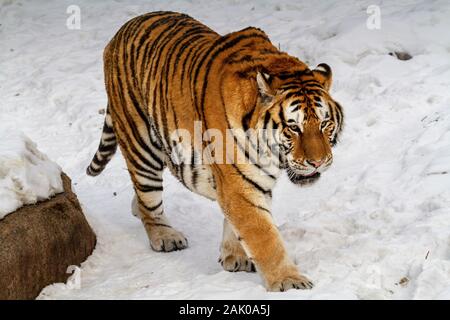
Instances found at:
x=308 y=121
x=311 y=124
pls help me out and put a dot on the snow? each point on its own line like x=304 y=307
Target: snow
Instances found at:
x=379 y=215
x=26 y=175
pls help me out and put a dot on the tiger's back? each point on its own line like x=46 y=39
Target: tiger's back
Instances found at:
x=148 y=68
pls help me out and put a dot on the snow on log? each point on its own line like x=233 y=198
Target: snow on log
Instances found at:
x=26 y=175
x=38 y=241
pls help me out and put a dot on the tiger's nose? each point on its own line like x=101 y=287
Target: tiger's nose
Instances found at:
x=316 y=164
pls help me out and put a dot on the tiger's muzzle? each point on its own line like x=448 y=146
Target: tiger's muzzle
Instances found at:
x=307 y=171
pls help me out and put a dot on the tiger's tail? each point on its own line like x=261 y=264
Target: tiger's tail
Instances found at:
x=106 y=149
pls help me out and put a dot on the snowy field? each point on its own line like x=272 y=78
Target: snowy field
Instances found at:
x=376 y=225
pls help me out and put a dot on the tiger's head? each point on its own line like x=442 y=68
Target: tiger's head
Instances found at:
x=305 y=117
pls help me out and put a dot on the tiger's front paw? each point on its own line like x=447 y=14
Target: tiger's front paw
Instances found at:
x=233 y=258
x=234 y=263
x=292 y=282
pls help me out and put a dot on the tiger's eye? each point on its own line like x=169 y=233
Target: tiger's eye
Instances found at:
x=294 y=128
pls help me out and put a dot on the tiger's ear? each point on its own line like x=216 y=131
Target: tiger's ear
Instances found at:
x=265 y=90
x=324 y=75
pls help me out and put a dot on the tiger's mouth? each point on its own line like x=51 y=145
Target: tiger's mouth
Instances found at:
x=300 y=179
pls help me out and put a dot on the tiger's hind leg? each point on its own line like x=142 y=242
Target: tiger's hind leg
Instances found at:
x=144 y=157
x=232 y=256
x=148 y=207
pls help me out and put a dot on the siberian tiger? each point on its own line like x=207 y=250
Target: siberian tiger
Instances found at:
x=166 y=71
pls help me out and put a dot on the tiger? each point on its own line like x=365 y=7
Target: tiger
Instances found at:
x=166 y=71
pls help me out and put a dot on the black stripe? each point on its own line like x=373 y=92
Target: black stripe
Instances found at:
x=296 y=74
x=255 y=205
x=281 y=115
x=155 y=224
x=110 y=148
x=266 y=119
x=109 y=140
x=107 y=129
x=152 y=208
x=253 y=183
x=144 y=188
x=146 y=175
x=246 y=119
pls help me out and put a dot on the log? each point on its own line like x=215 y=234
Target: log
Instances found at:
x=38 y=242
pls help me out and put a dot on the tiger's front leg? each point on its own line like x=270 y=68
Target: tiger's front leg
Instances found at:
x=232 y=255
x=249 y=215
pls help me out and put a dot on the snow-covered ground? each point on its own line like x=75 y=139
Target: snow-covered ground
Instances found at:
x=26 y=175
x=377 y=224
